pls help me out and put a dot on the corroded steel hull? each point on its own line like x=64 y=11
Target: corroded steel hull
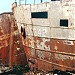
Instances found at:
x=49 y=44
x=11 y=48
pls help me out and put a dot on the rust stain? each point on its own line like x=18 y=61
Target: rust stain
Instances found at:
x=29 y=41
x=47 y=43
x=10 y=49
x=35 y=41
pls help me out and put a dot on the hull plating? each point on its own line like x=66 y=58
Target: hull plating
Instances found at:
x=11 y=48
x=48 y=45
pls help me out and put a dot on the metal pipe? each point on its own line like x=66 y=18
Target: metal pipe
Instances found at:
x=25 y=2
x=34 y=1
x=41 y=1
x=19 y=2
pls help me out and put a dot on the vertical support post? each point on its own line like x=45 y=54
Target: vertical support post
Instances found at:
x=19 y=2
x=34 y=1
x=25 y=2
x=41 y=1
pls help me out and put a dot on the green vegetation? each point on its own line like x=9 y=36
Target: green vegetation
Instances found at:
x=19 y=70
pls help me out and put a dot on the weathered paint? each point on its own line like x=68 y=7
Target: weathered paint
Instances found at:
x=49 y=45
x=62 y=45
x=42 y=43
x=11 y=48
x=41 y=31
x=30 y=42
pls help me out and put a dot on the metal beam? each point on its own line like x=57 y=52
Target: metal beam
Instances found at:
x=34 y=1
x=41 y=1
x=25 y=1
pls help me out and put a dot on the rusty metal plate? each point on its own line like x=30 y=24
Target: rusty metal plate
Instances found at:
x=33 y=53
x=1 y=32
x=50 y=53
x=29 y=51
x=62 y=61
x=30 y=41
x=62 y=45
x=73 y=62
x=42 y=43
x=44 y=66
x=40 y=54
x=47 y=66
x=6 y=22
x=11 y=48
x=40 y=64
x=47 y=56
x=0 y=54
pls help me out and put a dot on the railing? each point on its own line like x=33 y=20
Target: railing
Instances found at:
x=25 y=1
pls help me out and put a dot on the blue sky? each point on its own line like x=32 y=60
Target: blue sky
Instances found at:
x=5 y=6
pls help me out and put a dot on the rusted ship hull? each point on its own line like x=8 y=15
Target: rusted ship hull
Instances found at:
x=59 y=57
x=11 y=48
x=49 y=30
